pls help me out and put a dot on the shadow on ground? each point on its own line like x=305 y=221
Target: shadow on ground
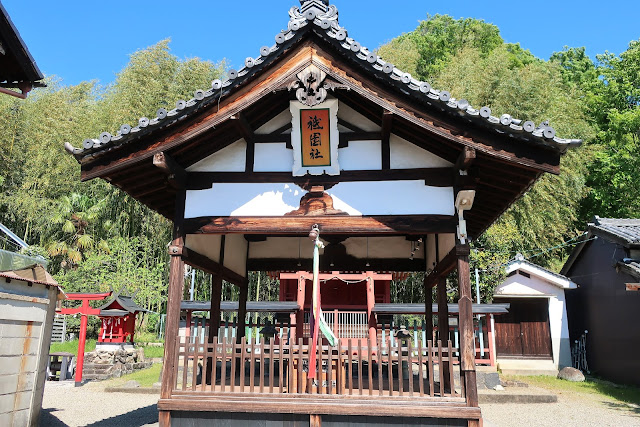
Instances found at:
x=631 y=409
x=137 y=418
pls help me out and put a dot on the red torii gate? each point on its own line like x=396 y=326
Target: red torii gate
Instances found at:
x=84 y=310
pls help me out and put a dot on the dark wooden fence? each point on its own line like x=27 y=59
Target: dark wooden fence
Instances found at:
x=382 y=369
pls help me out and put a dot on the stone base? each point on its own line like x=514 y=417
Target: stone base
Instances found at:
x=103 y=364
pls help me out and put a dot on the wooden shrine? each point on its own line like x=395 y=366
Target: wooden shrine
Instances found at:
x=118 y=320
x=318 y=130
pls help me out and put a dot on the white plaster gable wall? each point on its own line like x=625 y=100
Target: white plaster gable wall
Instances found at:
x=272 y=157
x=523 y=287
x=276 y=123
x=229 y=159
x=351 y=116
x=361 y=155
x=405 y=155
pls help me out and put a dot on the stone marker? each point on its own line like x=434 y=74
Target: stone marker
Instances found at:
x=571 y=374
x=131 y=384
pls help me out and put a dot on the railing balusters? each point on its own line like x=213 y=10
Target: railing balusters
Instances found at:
x=330 y=368
x=300 y=367
x=390 y=366
x=223 y=364
x=380 y=376
x=441 y=369
x=234 y=356
x=196 y=347
x=261 y=370
x=400 y=369
x=339 y=370
x=410 y=365
x=281 y=365
x=421 y=370
x=360 y=367
x=370 y=366
x=185 y=362
x=350 y=360
x=451 y=367
x=243 y=351
x=430 y=367
x=271 y=364
x=252 y=366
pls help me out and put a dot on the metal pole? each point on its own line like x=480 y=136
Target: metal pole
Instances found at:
x=480 y=335
x=193 y=280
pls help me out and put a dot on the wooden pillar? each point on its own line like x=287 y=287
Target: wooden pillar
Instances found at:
x=371 y=301
x=443 y=327
x=214 y=314
x=242 y=311
x=492 y=340
x=428 y=309
x=299 y=324
x=174 y=298
x=465 y=304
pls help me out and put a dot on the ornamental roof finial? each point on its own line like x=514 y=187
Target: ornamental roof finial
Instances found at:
x=320 y=5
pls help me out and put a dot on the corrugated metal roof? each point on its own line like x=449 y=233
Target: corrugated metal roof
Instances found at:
x=453 y=308
x=252 y=306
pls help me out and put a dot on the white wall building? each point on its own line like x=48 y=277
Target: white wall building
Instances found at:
x=537 y=326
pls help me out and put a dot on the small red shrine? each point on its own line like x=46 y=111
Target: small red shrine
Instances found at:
x=118 y=317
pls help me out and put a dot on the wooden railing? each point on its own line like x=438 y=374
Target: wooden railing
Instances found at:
x=360 y=368
x=353 y=324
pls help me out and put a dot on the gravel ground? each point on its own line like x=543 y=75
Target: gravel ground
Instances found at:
x=66 y=405
x=572 y=409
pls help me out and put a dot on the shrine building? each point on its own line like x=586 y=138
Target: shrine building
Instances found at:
x=316 y=129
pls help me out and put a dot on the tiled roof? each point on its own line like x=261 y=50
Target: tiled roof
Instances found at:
x=631 y=267
x=126 y=302
x=322 y=19
x=520 y=261
x=626 y=230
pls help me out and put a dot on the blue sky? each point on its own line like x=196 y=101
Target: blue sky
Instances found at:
x=91 y=40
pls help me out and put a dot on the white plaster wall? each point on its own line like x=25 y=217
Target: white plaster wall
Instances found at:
x=405 y=155
x=380 y=247
x=392 y=198
x=282 y=247
x=350 y=115
x=446 y=242
x=270 y=199
x=354 y=198
x=235 y=253
x=276 y=123
x=534 y=287
x=232 y=158
x=361 y=155
x=205 y=244
x=272 y=157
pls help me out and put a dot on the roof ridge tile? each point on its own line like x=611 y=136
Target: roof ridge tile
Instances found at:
x=325 y=16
